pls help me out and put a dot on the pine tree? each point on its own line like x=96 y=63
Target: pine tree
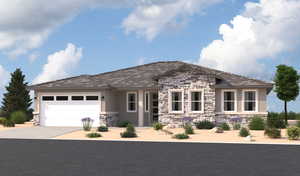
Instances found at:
x=17 y=97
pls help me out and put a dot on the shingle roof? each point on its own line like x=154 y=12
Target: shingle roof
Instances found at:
x=145 y=76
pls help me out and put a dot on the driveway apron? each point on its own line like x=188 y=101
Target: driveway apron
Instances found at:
x=36 y=132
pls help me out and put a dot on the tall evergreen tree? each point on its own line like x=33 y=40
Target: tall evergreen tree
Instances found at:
x=17 y=96
x=286 y=85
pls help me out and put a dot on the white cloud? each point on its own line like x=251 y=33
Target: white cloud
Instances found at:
x=148 y=20
x=4 y=76
x=33 y=57
x=264 y=30
x=141 y=61
x=60 y=64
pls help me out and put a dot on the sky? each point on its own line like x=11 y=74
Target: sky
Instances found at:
x=50 y=40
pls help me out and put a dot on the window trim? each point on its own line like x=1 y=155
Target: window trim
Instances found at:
x=170 y=101
x=147 y=109
x=235 y=100
x=202 y=100
x=256 y=100
x=127 y=102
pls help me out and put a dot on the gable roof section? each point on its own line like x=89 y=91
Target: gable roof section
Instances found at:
x=145 y=76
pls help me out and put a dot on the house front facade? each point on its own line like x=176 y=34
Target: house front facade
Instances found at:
x=165 y=92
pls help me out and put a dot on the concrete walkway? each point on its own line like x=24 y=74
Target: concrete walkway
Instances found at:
x=36 y=132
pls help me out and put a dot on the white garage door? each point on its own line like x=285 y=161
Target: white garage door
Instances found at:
x=68 y=110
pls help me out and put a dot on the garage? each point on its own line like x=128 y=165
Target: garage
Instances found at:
x=69 y=109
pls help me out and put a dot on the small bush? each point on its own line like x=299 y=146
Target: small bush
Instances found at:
x=158 y=126
x=298 y=124
x=219 y=130
x=225 y=126
x=18 y=117
x=275 y=121
x=93 y=135
x=244 y=132
x=130 y=132
x=236 y=126
x=2 y=119
x=123 y=124
x=87 y=124
x=205 y=124
x=8 y=123
x=188 y=129
x=273 y=132
x=293 y=133
x=257 y=123
x=102 y=129
x=181 y=136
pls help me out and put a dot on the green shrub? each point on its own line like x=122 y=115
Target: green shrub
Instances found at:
x=188 y=129
x=123 y=124
x=236 y=126
x=158 y=126
x=129 y=133
x=219 y=130
x=102 y=129
x=298 y=124
x=205 y=124
x=293 y=133
x=181 y=136
x=18 y=117
x=244 y=132
x=225 y=126
x=2 y=119
x=93 y=135
x=275 y=121
x=273 y=132
x=257 y=123
x=8 y=123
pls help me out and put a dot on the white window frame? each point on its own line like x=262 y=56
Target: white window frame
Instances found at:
x=127 y=101
x=243 y=100
x=147 y=93
x=202 y=100
x=235 y=100
x=170 y=101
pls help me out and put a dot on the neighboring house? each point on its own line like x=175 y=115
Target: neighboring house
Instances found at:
x=161 y=91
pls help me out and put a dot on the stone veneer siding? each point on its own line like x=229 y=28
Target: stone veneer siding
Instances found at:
x=186 y=81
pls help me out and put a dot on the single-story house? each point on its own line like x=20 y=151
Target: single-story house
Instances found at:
x=166 y=92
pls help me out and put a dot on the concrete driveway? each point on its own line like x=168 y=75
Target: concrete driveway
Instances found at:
x=36 y=132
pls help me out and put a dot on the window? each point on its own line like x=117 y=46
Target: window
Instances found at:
x=92 y=98
x=229 y=101
x=62 y=98
x=131 y=102
x=249 y=100
x=77 y=98
x=48 y=98
x=147 y=102
x=196 y=101
x=176 y=102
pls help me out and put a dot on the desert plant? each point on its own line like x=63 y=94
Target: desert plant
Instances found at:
x=102 y=128
x=8 y=123
x=93 y=135
x=123 y=124
x=244 y=132
x=157 y=126
x=130 y=132
x=274 y=120
x=188 y=129
x=236 y=126
x=257 y=123
x=87 y=124
x=205 y=124
x=273 y=132
x=181 y=136
x=18 y=117
x=225 y=126
x=2 y=119
x=293 y=133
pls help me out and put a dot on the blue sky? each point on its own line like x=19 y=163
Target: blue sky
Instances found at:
x=100 y=36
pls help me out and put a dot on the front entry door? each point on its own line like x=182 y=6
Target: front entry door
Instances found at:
x=154 y=109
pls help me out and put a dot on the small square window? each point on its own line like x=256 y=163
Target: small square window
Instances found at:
x=92 y=98
x=77 y=98
x=48 y=98
x=62 y=98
